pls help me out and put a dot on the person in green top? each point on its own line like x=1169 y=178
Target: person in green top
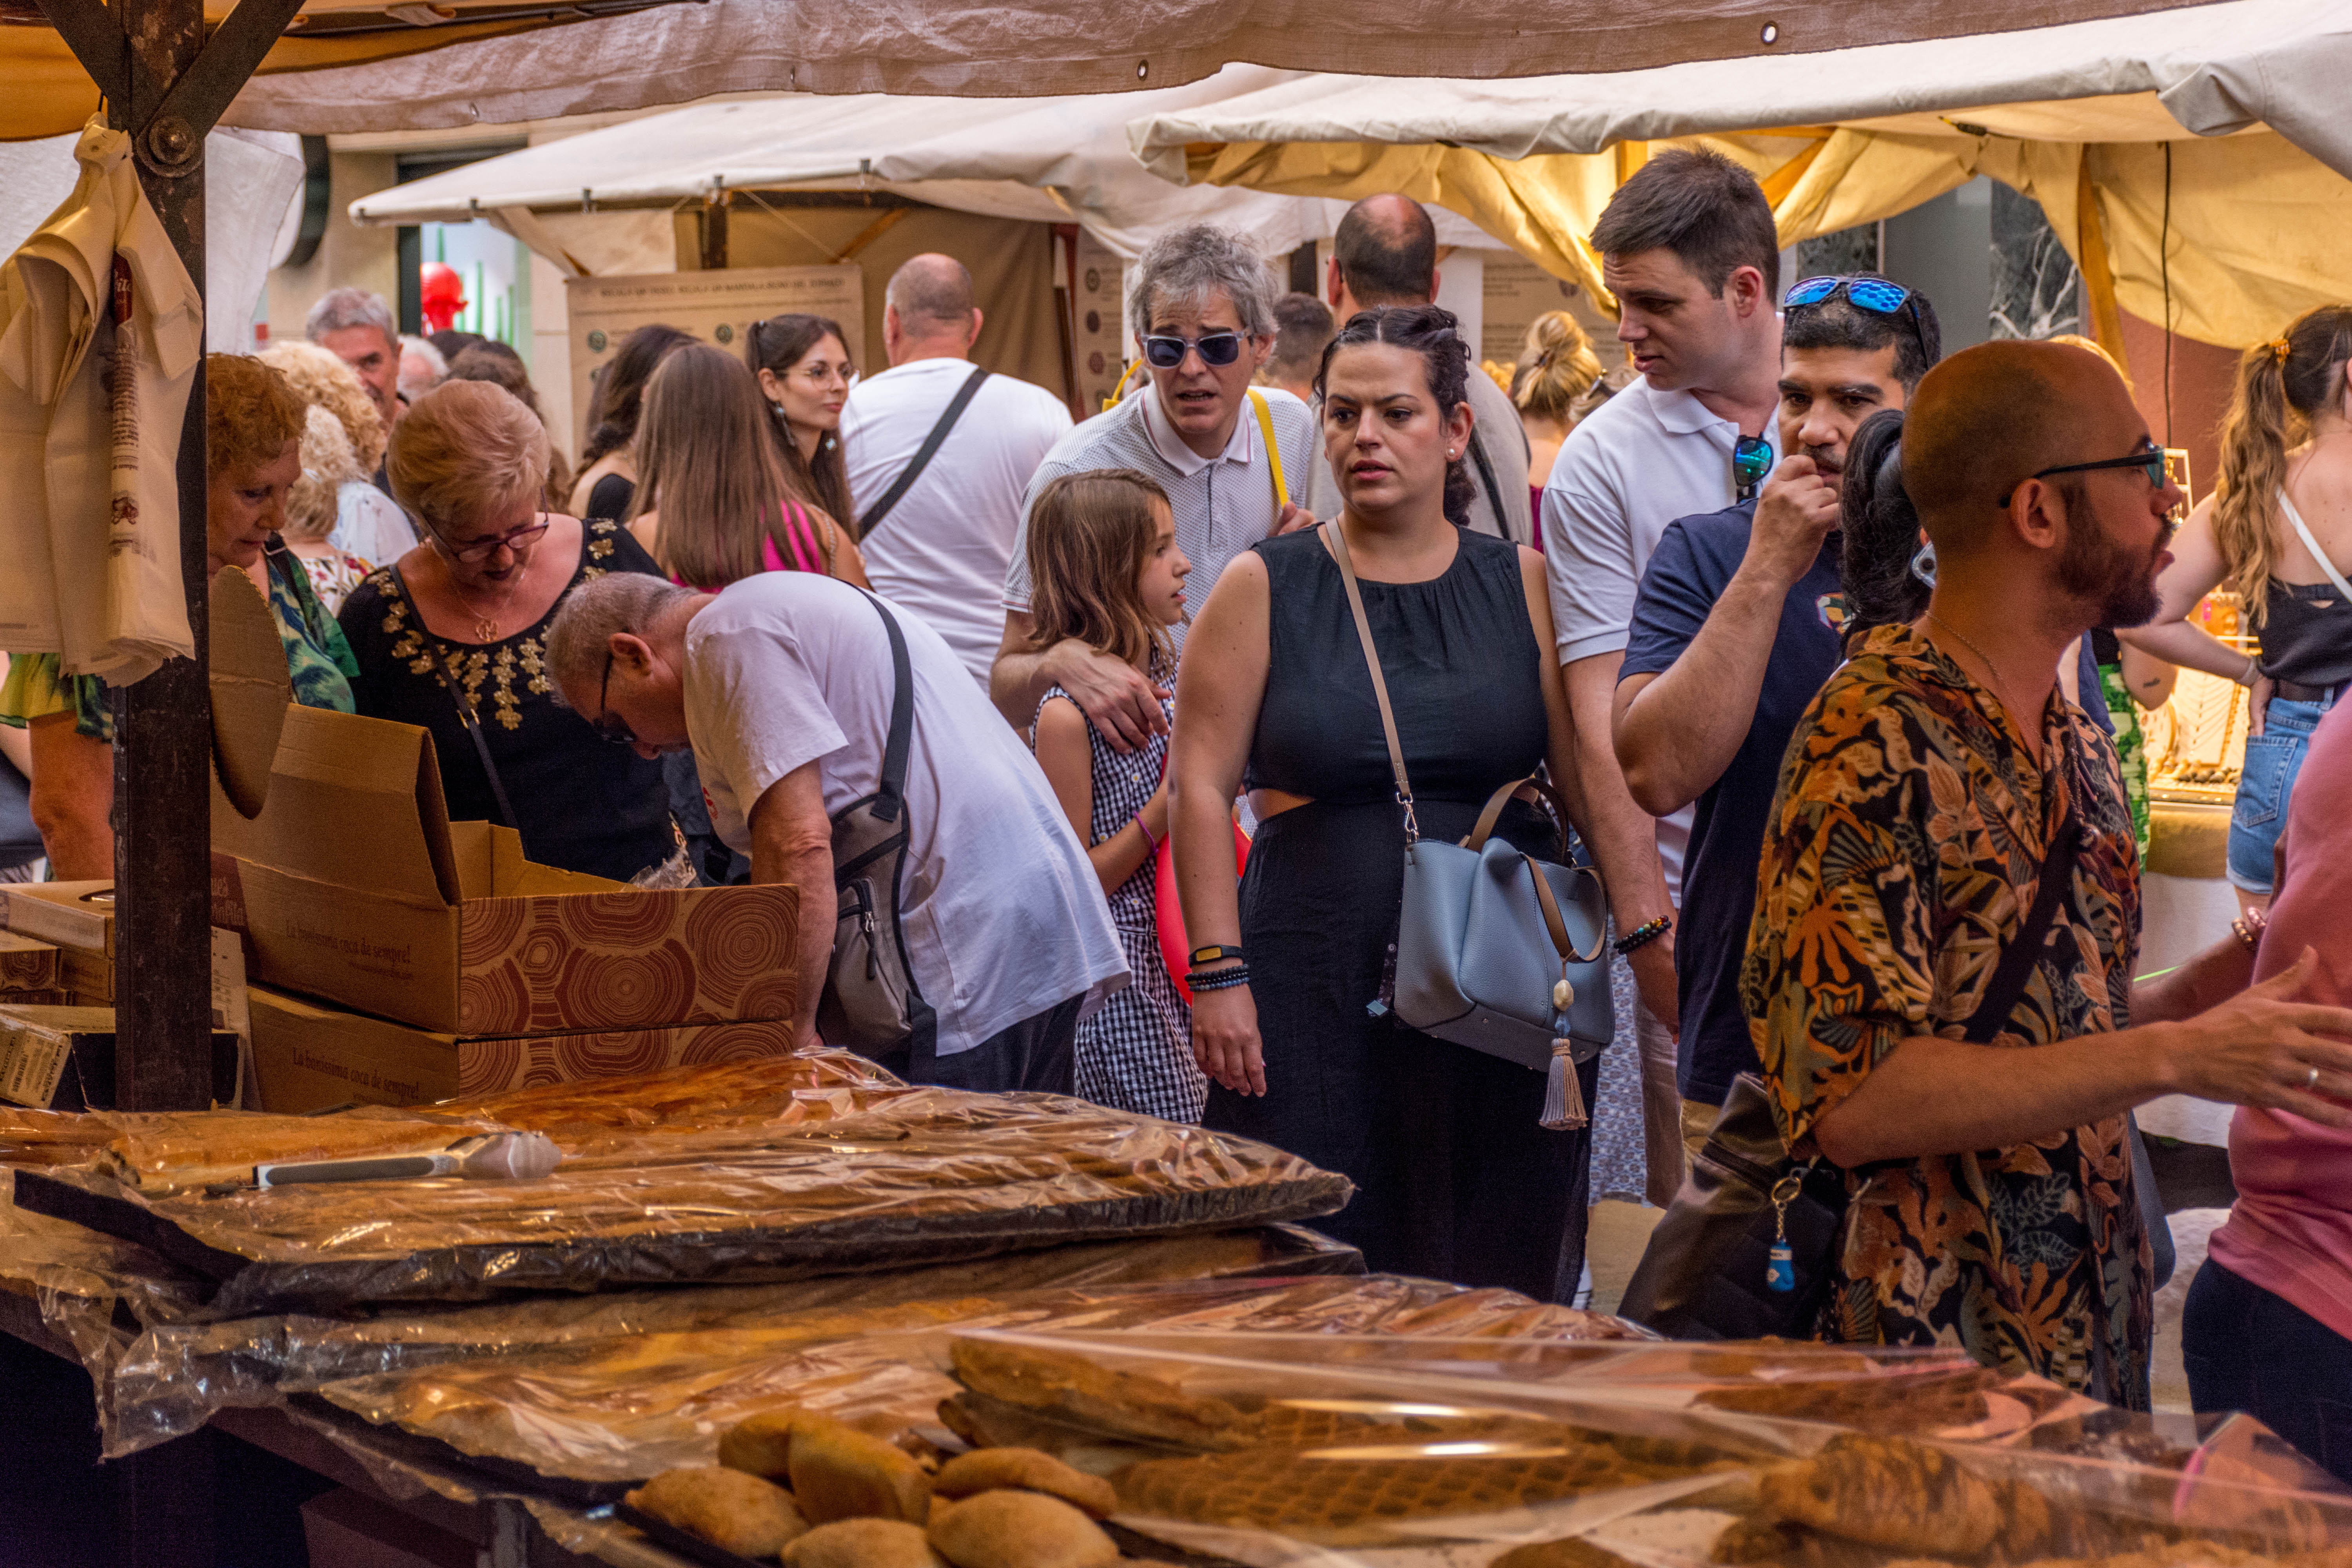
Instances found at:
x=253 y=451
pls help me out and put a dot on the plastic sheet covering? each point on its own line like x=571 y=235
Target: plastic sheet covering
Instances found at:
x=1280 y=1449
x=171 y=1379
x=705 y=1187
x=622 y=1410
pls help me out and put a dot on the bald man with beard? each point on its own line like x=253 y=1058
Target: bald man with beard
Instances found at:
x=1983 y=1137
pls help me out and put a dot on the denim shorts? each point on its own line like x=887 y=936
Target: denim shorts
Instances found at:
x=2274 y=758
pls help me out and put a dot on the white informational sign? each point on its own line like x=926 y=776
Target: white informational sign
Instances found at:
x=1101 y=337
x=716 y=307
x=1516 y=291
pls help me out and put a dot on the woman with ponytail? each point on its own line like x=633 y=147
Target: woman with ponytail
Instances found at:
x=2276 y=532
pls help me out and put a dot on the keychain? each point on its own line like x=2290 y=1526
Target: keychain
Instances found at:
x=1780 y=1272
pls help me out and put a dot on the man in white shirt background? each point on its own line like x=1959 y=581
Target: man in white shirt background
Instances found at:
x=1202 y=309
x=1384 y=252
x=939 y=553
x=1688 y=247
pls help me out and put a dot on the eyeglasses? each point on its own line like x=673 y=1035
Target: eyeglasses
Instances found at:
x=608 y=725
x=1751 y=459
x=479 y=550
x=1166 y=351
x=2150 y=460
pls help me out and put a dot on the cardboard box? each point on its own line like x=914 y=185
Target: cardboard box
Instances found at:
x=334 y=856
x=86 y=973
x=70 y=914
x=310 y=1056
x=27 y=963
x=62 y=1058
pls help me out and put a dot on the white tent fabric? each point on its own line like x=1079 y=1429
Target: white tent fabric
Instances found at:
x=1052 y=160
x=2217 y=69
x=677 y=54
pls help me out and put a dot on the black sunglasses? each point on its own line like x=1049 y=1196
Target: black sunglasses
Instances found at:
x=1166 y=351
x=607 y=724
x=2149 y=460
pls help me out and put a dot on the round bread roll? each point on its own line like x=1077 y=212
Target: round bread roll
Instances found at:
x=862 y=1543
x=839 y=1472
x=1019 y=1529
x=733 y=1512
x=1024 y=1470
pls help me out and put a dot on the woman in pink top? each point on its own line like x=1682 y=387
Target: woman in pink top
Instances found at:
x=2268 y=1324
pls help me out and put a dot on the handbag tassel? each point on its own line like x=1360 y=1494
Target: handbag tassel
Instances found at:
x=1563 y=1109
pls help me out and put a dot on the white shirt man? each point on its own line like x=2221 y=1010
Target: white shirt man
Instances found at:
x=1004 y=920
x=942 y=550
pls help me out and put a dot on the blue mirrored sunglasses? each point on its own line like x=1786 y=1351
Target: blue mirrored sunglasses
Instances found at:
x=1873 y=294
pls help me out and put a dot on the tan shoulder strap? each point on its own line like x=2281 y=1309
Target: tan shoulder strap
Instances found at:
x=1339 y=545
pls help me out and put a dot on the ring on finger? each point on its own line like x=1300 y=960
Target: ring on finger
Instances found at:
x=2311 y=1078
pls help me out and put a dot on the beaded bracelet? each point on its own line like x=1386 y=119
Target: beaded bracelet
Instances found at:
x=1217 y=979
x=1647 y=932
x=2248 y=929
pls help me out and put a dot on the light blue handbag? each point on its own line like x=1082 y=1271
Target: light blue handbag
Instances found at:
x=1495 y=950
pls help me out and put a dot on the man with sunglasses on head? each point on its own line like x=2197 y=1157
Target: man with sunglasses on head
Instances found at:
x=1688 y=247
x=1737 y=625
x=1203 y=309
x=1942 y=808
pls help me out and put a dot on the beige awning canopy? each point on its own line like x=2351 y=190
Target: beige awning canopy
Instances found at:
x=2228 y=114
x=679 y=53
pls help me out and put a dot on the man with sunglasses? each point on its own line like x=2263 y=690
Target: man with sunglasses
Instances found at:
x=1203 y=309
x=1938 y=788
x=1688 y=247
x=1737 y=625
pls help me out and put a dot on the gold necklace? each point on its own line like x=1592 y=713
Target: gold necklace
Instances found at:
x=1968 y=644
x=486 y=628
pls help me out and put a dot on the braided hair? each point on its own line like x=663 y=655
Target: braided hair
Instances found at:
x=1435 y=335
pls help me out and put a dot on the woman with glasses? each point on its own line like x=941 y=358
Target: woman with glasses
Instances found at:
x=2276 y=532
x=452 y=636
x=803 y=364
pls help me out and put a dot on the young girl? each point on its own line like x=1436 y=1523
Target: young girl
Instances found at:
x=1105 y=570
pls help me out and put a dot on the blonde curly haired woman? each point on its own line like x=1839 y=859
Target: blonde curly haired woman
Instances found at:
x=311 y=509
x=369 y=523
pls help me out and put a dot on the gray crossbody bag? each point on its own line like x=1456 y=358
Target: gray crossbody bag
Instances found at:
x=1495 y=950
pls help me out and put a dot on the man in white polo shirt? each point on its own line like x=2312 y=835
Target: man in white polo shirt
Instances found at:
x=940 y=550
x=1203 y=311
x=1688 y=247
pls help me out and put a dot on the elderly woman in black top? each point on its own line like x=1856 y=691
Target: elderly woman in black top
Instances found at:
x=452 y=636
x=1454 y=1178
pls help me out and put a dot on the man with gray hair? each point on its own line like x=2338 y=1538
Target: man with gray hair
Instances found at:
x=356 y=327
x=1203 y=313
x=784 y=688
x=937 y=453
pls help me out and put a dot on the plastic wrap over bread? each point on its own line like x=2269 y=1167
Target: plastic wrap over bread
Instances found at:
x=1280 y=1449
x=917 y=1176
x=619 y=1410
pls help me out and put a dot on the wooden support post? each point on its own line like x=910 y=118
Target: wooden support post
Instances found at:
x=714 y=231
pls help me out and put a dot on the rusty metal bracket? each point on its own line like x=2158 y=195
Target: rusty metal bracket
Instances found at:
x=168 y=135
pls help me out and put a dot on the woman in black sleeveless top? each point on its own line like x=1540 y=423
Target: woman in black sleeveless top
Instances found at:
x=1455 y=1180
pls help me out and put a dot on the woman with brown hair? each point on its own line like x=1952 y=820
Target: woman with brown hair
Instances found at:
x=253 y=430
x=715 y=502
x=803 y=364
x=608 y=469
x=2277 y=533
x=453 y=638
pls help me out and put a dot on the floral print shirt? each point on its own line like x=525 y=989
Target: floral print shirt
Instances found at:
x=1905 y=848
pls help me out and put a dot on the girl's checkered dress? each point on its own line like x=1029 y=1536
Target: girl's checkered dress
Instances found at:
x=1136 y=1052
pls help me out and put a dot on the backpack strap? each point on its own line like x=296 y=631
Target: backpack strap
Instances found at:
x=1273 y=452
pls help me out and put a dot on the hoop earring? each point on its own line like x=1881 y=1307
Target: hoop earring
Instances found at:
x=1923 y=564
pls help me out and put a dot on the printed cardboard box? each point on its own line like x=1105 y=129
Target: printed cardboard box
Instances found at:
x=27 y=963
x=69 y=914
x=62 y=1058
x=310 y=1056
x=336 y=860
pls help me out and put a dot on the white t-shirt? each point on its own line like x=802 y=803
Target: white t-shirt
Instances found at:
x=941 y=552
x=1221 y=505
x=1642 y=460
x=1003 y=917
x=370 y=524
x=1496 y=428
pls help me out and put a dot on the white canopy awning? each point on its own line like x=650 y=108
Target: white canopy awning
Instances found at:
x=1057 y=160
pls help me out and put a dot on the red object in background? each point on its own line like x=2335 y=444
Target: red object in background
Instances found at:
x=1175 y=947
x=440 y=294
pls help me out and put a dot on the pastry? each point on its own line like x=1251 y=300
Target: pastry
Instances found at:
x=733 y=1512
x=1888 y=1492
x=759 y=1445
x=1019 y=1529
x=862 y=1543
x=1070 y=1388
x=839 y=1472
x=1571 y=1553
x=1024 y=1470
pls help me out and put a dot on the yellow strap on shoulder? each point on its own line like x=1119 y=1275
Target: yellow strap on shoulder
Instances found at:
x=1273 y=452
x=1120 y=390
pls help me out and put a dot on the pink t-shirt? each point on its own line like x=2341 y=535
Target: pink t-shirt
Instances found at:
x=2292 y=1231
